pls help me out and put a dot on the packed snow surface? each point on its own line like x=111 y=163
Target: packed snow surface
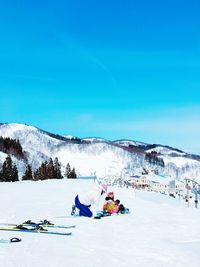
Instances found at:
x=160 y=231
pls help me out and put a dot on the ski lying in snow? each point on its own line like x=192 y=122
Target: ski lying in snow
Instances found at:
x=44 y=223
x=12 y=240
x=37 y=229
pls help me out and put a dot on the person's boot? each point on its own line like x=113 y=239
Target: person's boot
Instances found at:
x=73 y=210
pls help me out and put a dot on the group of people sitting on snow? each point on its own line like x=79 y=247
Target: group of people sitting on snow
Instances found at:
x=84 y=201
x=112 y=206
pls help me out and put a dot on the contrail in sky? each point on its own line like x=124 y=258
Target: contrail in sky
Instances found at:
x=67 y=40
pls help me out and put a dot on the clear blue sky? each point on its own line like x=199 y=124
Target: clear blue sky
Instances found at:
x=115 y=69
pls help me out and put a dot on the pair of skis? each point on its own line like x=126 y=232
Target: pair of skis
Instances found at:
x=32 y=227
x=43 y=223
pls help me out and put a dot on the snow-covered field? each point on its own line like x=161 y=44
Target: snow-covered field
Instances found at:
x=160 y=231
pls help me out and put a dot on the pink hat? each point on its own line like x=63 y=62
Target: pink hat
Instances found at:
x=110 y=194
x=104 y=187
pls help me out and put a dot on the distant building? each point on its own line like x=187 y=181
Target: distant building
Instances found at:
x=176 y=186
x=139 y=181
x=159 y=186
x=159 y=183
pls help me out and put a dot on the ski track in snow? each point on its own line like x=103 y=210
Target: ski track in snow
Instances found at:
x=160 y=231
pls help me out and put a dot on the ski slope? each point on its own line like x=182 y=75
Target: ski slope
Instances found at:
x=160 y=231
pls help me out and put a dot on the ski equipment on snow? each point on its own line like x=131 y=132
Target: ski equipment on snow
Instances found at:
x=35 y=229
x=46 y=223
x=43 y=223
x=103 y=213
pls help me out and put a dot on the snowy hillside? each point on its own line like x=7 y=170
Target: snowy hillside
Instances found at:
x=87 y=158
x=37 y=145
x=160 y=231
x=98 y=156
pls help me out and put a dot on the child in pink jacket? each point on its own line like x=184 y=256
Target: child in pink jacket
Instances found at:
x=116 y=207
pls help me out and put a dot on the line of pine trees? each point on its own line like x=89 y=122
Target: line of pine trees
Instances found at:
x=70 y=173
x=153 y=158
x=11 y=146
x=48 y=170
x=8 y=172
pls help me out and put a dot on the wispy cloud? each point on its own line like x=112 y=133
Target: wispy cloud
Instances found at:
x=68 y=41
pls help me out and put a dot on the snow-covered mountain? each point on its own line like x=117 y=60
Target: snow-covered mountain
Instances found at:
x=98 y=156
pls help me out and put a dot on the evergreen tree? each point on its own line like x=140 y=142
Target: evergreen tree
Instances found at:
x=14 y=174
x=43 y=171
x=11 y=146
x=36 y=175
x=1 y=175
x=50 y=170
x=9 y=172
x=153 y=158
x=7 y=169
x=67 y=170
x=72 y=174
x=28 y=173
x=57 y=168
